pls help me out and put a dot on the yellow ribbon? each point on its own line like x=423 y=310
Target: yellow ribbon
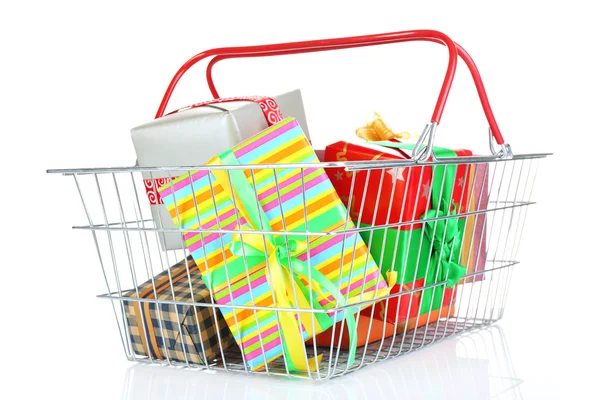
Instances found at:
x=283 y=286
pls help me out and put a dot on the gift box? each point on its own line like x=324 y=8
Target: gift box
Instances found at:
x=192 y=135
x=162 y=331
x=388 y=196
x=234 y=266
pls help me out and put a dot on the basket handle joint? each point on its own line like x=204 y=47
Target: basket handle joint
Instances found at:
x=504 y=152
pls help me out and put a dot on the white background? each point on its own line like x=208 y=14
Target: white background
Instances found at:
x=75 y=77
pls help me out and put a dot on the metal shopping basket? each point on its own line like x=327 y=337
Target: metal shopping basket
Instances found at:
x=172 y=323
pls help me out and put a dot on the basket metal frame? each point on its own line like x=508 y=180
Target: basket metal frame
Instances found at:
x=480 y=298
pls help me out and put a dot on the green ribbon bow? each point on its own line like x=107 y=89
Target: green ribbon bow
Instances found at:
x=445 y=237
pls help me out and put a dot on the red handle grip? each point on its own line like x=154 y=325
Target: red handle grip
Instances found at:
x=461 y=52
x=328 y=44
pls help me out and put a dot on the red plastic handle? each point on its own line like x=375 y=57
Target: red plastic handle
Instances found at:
x=461 y=52
x=341 y=43
x=328 y=44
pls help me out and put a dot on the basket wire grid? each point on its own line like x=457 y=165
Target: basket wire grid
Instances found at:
x=478 y=361
x=130 y=248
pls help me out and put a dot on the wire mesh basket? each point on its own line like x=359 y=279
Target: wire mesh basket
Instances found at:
x=172 y=306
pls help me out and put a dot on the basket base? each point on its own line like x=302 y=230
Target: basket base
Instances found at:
x=335 y=359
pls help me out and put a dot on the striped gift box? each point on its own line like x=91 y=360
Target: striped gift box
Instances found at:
x=343 y=259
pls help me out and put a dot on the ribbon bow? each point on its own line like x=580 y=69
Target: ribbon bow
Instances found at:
x=283 y=276
x=445 y=237
x=285 y=270
x=378 y=130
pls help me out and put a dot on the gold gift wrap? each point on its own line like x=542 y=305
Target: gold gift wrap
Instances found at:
x=162 y=330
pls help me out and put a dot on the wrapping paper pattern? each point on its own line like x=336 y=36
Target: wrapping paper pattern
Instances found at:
x=280 y=194
x=158 y=330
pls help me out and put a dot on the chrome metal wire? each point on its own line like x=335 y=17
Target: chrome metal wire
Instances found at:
x=122 y=227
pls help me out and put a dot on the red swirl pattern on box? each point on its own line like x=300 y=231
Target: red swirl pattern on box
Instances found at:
x=267 y=105
x=152 y=189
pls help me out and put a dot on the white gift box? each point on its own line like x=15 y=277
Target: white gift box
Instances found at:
x=193 y=136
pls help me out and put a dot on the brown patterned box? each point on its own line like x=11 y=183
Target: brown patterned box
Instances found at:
x=151 y=327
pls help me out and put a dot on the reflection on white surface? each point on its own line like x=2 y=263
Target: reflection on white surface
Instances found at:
x=472 y=366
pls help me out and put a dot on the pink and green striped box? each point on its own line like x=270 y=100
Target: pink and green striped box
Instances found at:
x=343 y=258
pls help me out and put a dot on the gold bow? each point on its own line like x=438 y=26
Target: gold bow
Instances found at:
x=377 y=130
